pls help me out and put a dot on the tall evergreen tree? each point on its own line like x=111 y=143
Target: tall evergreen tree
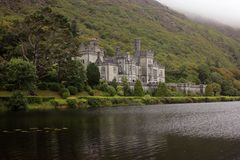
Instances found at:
x=138 y=89
x=162 y=90
x=126 y=88
x=93 y=75
x=75 y=74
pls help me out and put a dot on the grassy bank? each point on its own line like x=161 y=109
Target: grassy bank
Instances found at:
x=83 y=102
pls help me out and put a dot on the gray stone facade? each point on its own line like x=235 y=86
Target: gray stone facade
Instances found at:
x=140 y=65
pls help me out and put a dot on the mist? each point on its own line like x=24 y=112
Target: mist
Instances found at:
x=223 y=11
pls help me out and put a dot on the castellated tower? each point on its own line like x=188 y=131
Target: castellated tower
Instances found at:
x=137 y=45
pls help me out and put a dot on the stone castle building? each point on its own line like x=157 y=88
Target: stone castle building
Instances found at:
x=140 y=65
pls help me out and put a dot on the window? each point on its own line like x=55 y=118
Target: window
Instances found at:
x=160 y=73
x=103 y=70
x=155 y=74
x=114 y=70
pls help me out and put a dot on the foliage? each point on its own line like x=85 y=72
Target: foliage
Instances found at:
x=228 y=89
x=17 y=102
x=114 y=83
x=22 y=74
x=126 y=88
x=72 y=103
x=64 y=92
x=54 y=86
x=209 y=90
x=75 y=74
x=162 y=90
x=120 y=91
x=111 y=91
x=73 y=90
x=45 y=38
x=216 y=89
x=138 y=89
x=103 y=86
x=42 y=86
x=3 y=74
x=93 y=74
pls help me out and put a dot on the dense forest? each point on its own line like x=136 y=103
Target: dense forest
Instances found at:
x=47 y=33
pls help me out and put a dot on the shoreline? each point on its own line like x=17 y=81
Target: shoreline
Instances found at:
x=41 y=103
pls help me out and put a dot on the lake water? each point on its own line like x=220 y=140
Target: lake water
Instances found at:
x=164 y=132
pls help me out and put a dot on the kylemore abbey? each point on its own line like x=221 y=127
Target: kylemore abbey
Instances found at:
x=140 y=66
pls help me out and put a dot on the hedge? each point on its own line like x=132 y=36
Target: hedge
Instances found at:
x=148 y=100
x=30 y=99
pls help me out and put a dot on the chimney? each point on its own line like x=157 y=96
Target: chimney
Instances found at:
x=137 y=45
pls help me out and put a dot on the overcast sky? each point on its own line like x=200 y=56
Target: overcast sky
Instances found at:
x=225 y=11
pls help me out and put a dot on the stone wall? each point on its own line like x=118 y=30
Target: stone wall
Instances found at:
x=186 y=88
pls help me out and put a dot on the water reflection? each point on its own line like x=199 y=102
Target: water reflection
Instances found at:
x=192 y=131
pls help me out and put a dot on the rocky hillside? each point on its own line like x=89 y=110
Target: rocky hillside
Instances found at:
x=178 y=42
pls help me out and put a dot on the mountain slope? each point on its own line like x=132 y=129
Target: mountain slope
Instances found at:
x=177 y=41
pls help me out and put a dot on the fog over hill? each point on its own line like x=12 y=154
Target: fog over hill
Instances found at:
x=223 y=11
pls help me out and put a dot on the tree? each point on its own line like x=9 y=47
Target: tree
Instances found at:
x=138 y=89
x=120 y=91
x=126 y=88
x=46 y=39
x=93 y=74
x=17 y=102
x=216 y=78
x=114 y=83
x=22 y=74
x=162 y=90
x=209 y=90
x=75 y=74
x=216 y=89
x=203 y=73
x=228 y=89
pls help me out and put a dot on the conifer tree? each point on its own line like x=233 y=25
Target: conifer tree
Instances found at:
x=93 y=75
x=138 y=89
x=162 y=90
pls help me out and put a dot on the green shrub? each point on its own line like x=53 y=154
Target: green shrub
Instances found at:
x=120 y=91
x=34 y=100
x=88 y=88
x=151 y=100
x=103 y=86
x=42 y=86
x=55 y=103
x=111 y=91
x=64 y=93
x=173 y=100
x=47 y=99
x=54 y=86
x=58 y=102
x=91 y=92
x=72 y=103
x=73 y=90
x=82 y=103
x=99 y=102
x=17 y=102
